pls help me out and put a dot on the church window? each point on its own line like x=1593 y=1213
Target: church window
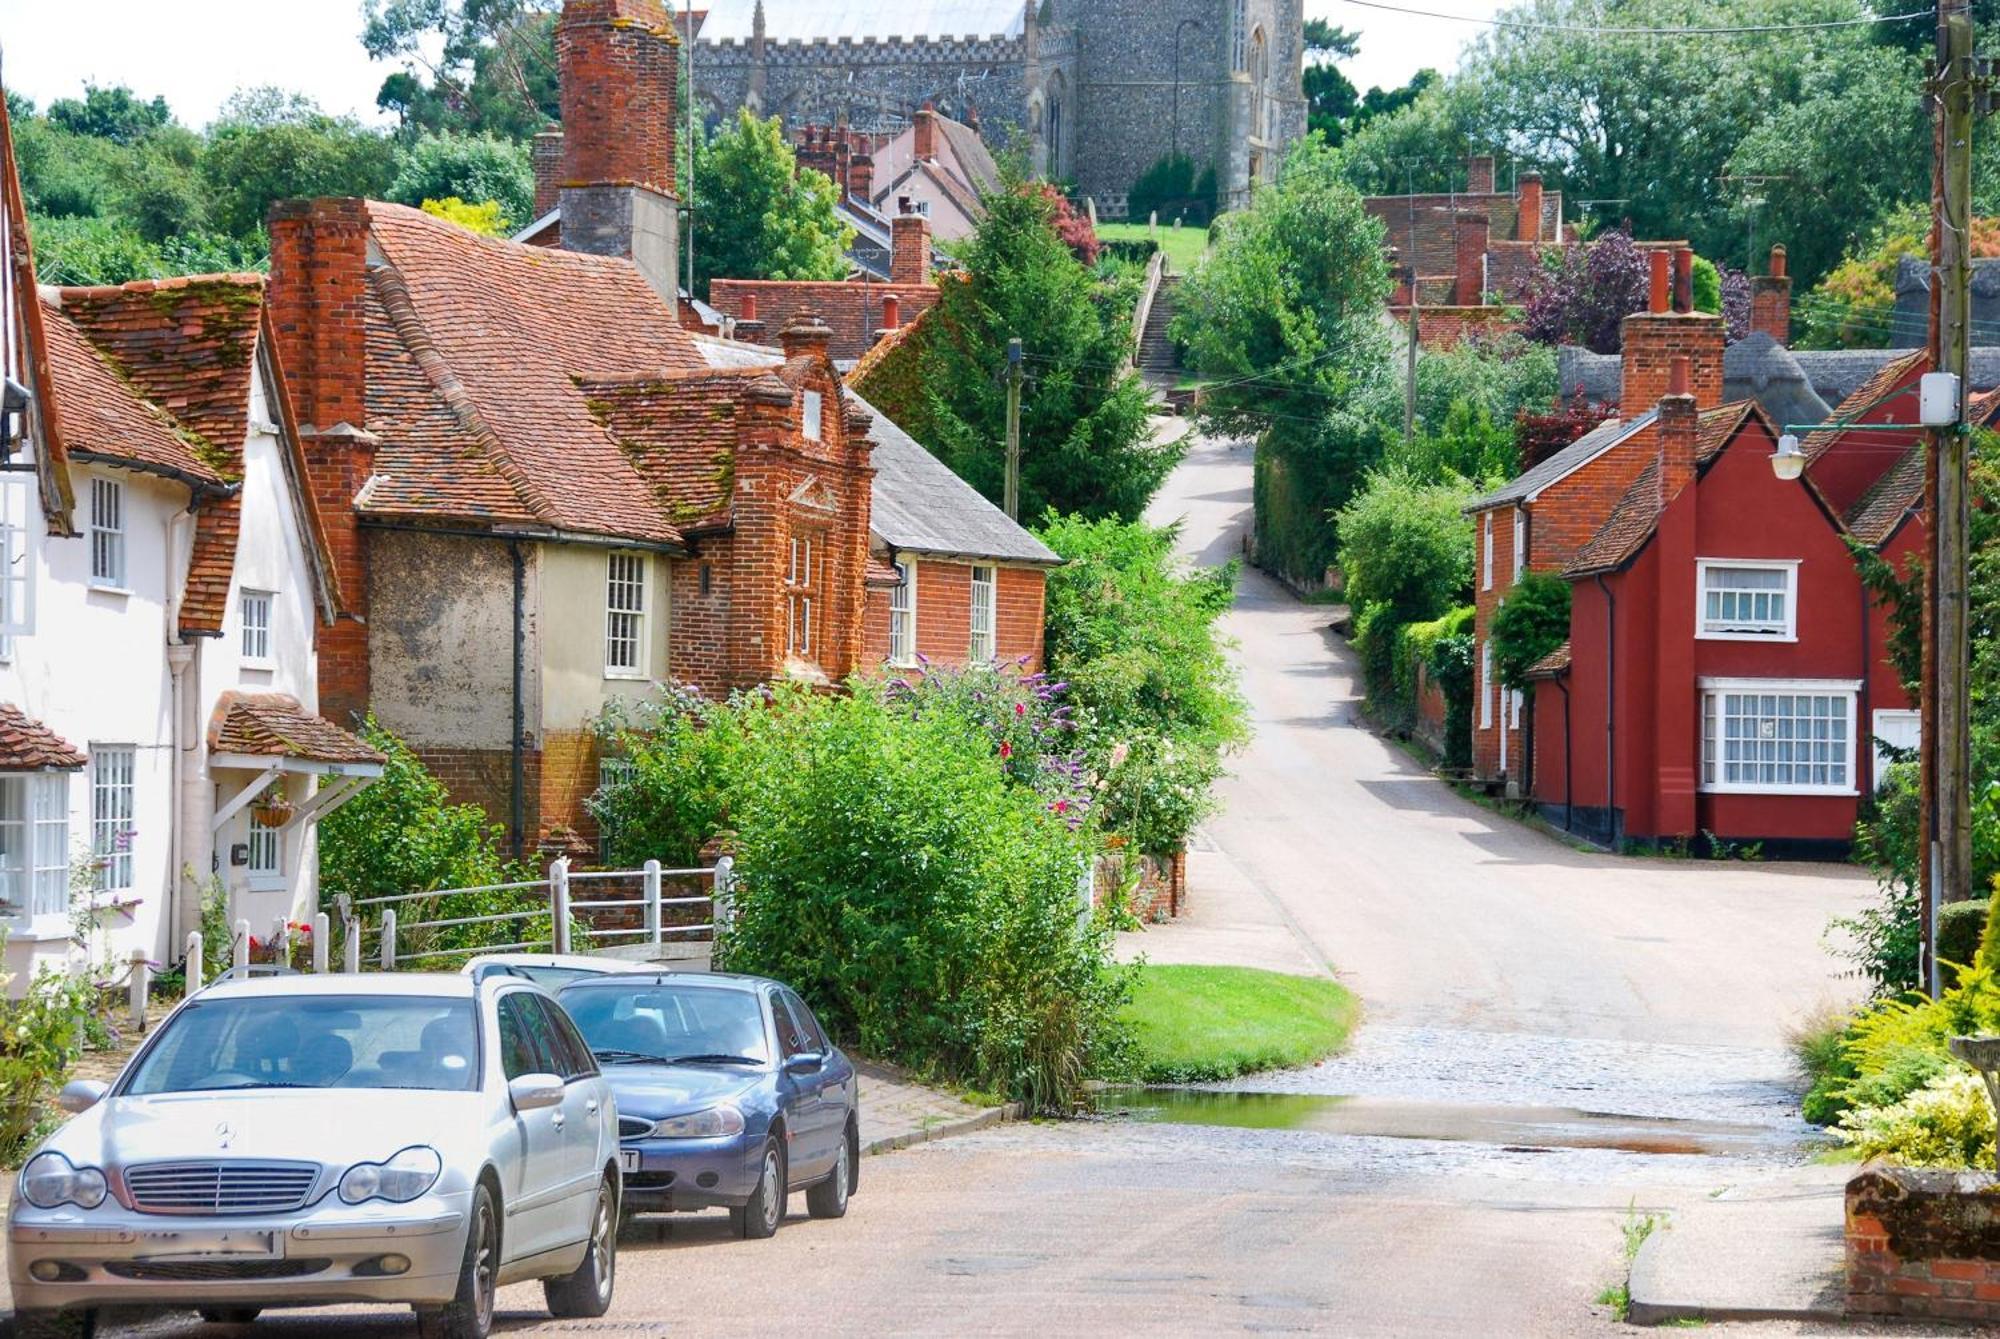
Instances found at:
x=1240 y=34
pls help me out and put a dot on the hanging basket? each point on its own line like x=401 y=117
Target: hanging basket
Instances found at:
x=273 y=811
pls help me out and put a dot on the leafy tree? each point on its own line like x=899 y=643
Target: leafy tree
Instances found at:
x=759 y=215
x=1075 y=229
x=472 y=66
x=1173 y=188
x=112 y=113
x=476 y=168
x=483 y=218
x=1586 y=292
x=1406 y=551
x=1852 y=306
x=1532 y=622
x=1283 y=316
x=1086 y=445
x=270 y=145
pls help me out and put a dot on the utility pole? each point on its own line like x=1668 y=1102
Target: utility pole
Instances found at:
x=1012 y=494
x=1410 y=369
x=1946 y=707
x=688 y=185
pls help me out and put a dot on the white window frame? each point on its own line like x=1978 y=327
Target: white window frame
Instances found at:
x=266 y=863
x=34 y=855
x=1520 y=542
x=813 y=419
x=1486 y=556
x=114 y=810
x=107 y=534
x=1486 y=684
x=256 y=611
x=17 y=562
x=903 y=615
x=1890 y=717
x=984 y=642
x=807 y=563
x=1711 y=718
x=1702 y=631
x=627 y=573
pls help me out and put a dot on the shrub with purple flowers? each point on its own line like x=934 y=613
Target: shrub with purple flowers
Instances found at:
x=1026 y=715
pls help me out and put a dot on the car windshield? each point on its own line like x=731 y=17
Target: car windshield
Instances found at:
x=650 y=1021
x=312 y=1041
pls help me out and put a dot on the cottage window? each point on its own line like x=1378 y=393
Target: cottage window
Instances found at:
x=113 y=786
x=1777 y=736
x=801 y=581
x=983 y=615
x=903 y=615
x=1748 y=601
x=34 y=844
x=257 y=627
x=625 y=615
x=1486 y=685
x=813 y=424
x=1520 y=542
x=267 y=851
x=17 y=564
x=1486 y=555
x=107 y=533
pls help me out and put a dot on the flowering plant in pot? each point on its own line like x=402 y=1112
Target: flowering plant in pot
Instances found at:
x=271 y=808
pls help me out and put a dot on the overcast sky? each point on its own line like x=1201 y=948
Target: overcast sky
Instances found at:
x=197 y=52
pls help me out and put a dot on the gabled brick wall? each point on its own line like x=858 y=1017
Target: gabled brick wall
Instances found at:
x=944 y=615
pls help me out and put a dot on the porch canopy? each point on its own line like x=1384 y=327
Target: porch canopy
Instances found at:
x=26 y=745
x=270 y=735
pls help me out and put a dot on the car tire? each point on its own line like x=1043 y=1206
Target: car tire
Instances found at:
x=230 y=1315
x=55 y=1324
x=586 y=1293
x=828 y=1199
x=760 y=1217
x=469 y=1314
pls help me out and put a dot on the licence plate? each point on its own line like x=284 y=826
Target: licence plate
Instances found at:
x=235 y=1243
x=628 y=1159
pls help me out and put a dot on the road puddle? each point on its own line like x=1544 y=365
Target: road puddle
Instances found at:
x=1521 y=1129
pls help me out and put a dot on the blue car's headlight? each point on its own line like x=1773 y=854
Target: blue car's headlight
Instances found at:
x=51 y=1180
x=710 y=1123
x=404 y=1177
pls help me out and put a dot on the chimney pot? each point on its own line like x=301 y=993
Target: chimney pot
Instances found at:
x=1683 y=280
x=1657 y=262
x=891 y=311
x=1778 y=261
x=1679 y=381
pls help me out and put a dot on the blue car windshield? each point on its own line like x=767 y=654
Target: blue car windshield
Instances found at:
x=312 y=1041
x=653 y=1021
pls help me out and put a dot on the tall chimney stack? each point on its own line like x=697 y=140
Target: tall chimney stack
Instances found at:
x=923 y=139
x=910 y=245
x=1472 y=235
x=1678 y=429
x=1479 y=174
x=1528 y=208
x=546 y=155
x=1771 y=300
x=619 y=63
x=1654 y=338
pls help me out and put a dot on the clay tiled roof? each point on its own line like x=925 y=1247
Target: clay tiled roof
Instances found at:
x=480 y=344
x=272 y=725
x=1879 y=384
x=1552 y=665
x=1879 y=512
x=680 y=433
x=26 y=745
x=852 y=311
x=881 y=573
x=106 y=417
x=1637 y=513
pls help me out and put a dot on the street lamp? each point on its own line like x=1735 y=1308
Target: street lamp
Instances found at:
x=1178 y=29
x=1788 y=462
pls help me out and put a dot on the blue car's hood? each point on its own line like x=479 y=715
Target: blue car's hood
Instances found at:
x=664 y=1090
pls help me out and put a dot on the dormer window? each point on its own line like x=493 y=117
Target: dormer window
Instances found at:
x=813 y=416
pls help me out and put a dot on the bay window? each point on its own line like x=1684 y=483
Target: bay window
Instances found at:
x=1778 y=736
x=34 y=844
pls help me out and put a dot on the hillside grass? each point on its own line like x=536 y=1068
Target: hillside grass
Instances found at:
x=1197 y=1024
x=1184 y=246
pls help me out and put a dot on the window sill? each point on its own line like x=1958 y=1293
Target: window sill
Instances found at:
x=23 y=929
x=106 y=588
x=1802 y=792
x=258 y=666
x=268 y=883
x=627 y=676
x=1703 y=635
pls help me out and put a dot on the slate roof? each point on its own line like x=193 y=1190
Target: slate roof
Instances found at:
x=918 y=504
x=1637 y=513
x=1910 y=322
x=830 y=20
x=476 y=348
x=26 y=745
x=1833 y=374
x=274 y=725
x=1572 y=457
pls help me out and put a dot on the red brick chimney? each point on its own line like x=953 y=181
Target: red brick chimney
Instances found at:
x=860 y=182
x=923 y=140
x=1771 y=300
x=1678 y=424
x=1528 y=208
x=547 y=156
x=1479 y=174
x=892 y=311
x=1683 y=279
x=748 y=328
x=910 y=246
x=619 y=64
x=1652 y=339
x=805 y=335
x=1472 y=235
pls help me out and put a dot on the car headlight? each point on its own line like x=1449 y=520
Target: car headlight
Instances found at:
x=710 y=1123
x=50 y=1180
x=404 y=1177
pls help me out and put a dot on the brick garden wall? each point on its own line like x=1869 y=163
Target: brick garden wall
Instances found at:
x=1923 y=1244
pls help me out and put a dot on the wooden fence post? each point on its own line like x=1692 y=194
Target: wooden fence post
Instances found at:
x=389 y=940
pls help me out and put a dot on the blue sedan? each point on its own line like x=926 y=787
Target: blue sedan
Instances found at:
x=728 y=1093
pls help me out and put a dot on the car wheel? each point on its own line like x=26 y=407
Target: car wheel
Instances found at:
x=55 y=1324
x=469 y=1314
x=586 y=1294
x=828 y=1199
x=230 y=1315
x=760 y=1217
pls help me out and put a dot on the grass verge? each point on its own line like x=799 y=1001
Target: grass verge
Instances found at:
x=1195 y=1024
x=1182 y=245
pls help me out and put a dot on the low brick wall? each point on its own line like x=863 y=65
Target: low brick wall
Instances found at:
x=1160 y=893
x=1924 y=1244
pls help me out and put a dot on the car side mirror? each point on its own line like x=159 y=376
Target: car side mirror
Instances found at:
x=533 y=1092
x=809 y=1062
x=81 y=1094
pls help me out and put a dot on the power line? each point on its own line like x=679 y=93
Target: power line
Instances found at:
x=1587 y=29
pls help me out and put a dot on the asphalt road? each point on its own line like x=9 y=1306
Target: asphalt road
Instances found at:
x=1501 y=972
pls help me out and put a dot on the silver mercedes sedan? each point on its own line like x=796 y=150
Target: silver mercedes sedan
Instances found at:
x=302 y=1140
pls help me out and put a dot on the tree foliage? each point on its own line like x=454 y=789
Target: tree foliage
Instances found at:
x=471 y=66
x=476 y=169
x=1530 y=623
x=1086 y=445
x=270 y=145
x=1174 y=189
x=759 y=217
